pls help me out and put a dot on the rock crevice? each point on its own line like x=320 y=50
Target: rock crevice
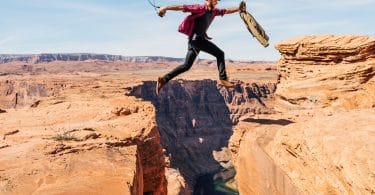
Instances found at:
x=195 y=119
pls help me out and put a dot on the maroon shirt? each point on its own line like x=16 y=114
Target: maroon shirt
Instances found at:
x=197 y=10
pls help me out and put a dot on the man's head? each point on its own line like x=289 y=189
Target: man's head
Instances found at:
x=211 y=3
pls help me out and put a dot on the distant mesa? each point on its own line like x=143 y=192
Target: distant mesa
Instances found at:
x=50 y=57
x=80 y=57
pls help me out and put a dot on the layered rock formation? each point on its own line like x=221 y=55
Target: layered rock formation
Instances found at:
x=327 y=71
x=326 y=50
x=321 y=140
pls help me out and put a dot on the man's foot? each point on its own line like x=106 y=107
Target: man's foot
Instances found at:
x=161 y=82
x=226 y=83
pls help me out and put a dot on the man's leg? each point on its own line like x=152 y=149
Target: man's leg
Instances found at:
x=189 y=60
x=211 y=48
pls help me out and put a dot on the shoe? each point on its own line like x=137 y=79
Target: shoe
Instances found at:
x=226 y=84
x=161 y=82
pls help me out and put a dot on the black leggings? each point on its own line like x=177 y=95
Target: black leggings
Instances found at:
x=195 y=46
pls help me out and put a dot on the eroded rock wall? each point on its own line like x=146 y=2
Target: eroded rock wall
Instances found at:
x=81 y=143
x=321 y=138
x=327 y=70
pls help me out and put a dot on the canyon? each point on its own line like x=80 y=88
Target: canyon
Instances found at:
x=93 y=123
x=116 y=117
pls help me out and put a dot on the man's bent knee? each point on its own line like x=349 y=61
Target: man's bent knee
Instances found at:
x=220 y=55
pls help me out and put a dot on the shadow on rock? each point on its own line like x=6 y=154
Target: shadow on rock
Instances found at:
x=282 y=122
x=194 y=121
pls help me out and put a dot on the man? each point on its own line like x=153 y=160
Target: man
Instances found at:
x=195 y=27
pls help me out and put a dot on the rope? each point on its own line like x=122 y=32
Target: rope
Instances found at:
x=153 y=5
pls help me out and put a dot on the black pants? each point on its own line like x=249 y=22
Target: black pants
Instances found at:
x=196 y=45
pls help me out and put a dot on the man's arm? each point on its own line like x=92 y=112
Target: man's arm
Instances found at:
x=240 y=8
x=232 y=10
x=163 y=10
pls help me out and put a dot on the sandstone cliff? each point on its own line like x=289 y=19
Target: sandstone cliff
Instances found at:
x=324 y=71
x=321 y=139
x=96 y=141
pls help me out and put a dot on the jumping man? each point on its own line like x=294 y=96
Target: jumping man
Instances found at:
x=195 y=27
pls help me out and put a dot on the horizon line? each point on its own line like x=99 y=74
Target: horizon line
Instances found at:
x=93 y=53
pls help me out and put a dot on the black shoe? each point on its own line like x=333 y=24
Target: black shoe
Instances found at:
x=161 y=82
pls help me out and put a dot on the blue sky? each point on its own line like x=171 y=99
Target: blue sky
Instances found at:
x=131 y=27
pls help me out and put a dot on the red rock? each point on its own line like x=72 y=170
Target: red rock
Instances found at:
x=324 y=145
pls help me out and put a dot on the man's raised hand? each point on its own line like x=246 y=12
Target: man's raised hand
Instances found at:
x=242 y=6
x=162 y=11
